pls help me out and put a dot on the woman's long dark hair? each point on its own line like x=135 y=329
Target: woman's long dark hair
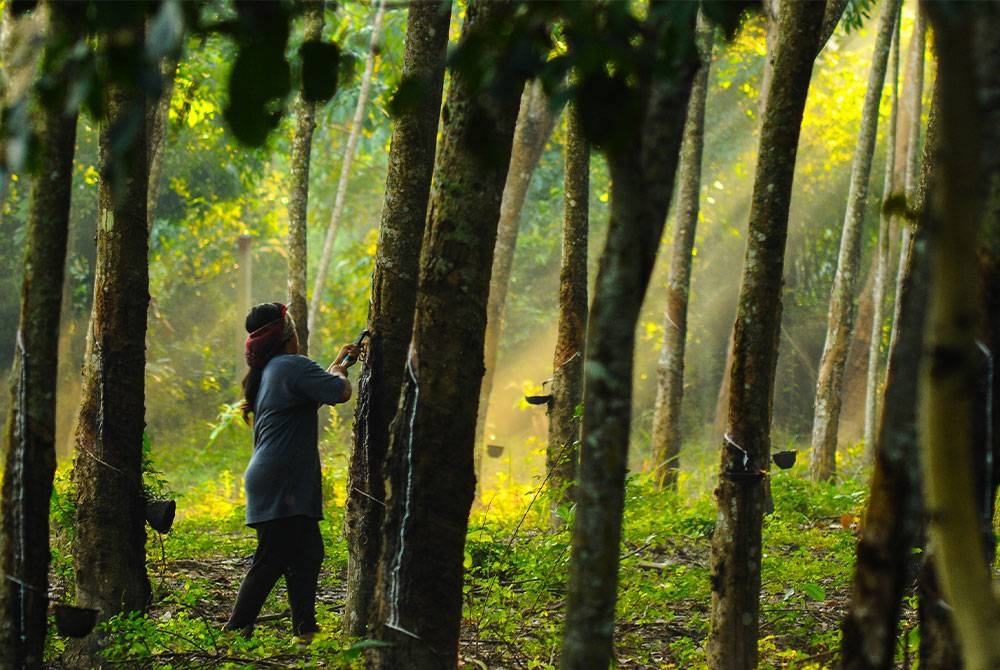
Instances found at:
x=258 y=317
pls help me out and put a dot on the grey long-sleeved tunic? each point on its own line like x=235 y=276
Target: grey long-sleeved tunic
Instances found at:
x=283 y=477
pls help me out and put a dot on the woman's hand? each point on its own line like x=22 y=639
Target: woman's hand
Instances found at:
x=348 y=356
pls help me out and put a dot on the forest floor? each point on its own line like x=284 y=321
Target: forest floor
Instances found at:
x=515 y=573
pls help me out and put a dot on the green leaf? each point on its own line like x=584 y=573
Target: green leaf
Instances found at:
x=814 y=591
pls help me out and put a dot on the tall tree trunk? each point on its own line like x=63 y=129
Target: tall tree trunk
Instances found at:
x=567 y=363
x=831 y=17
x=534 y=126
x=109 y=550
x=905 y=163
x=988 y=63
x=30 y=428
x=345 y=168
x=948 y=404
x=736 y=544
x=394 y=293
x=892 y=184
x=298 y=206
x=642 y=164
x=884 y=564
x=431 y=481
x=158 y=119
x=840 y=322
x=666 y=437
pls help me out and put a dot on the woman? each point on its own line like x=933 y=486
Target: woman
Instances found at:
x=282 y=391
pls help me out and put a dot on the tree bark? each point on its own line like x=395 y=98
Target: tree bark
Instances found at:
x=642 y=164
x=158 y=120
x=892 y=183
x=394 y=294
x=884 y=565
x=831 y=18
x=736 y=544
x=666 y=433
x=298 y=205
x=567 y=363
x=30 y=428
x=345 y=169
x=949 y=405
x=534 y=126
x=109 y=549
x=431 y=480
x=840 y=322
x=853 y=412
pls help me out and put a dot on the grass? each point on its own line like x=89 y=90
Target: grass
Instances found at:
x=515 y=573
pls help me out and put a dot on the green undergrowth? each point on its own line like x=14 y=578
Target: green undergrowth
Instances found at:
x=516 y=566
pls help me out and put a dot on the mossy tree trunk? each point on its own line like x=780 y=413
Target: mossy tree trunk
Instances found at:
x=298 y=205
x=109 y=549
x=736 y=544
x=567 y=363
x=30 y=428
x=430 y=474
x=840 y=320
x=950 y=389
x=666 y=434
x=394 y=294
x=642 y=161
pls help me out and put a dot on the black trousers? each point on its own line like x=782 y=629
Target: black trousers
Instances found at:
x=292 y=547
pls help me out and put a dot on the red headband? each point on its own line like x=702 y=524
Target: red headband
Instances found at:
x=265 y=342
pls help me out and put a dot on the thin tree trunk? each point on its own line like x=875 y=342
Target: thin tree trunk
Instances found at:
x=394 y=294
x=345 y=169
x=431 y=481
x=534 y=126
x=890 y=186
x=914 y=104
x=109 y=549
x=158 y=118
x=666 y=434
x=298 y=205
x=948 y=403
x=736 y=544
x=831 y=17
x=567 y=363
x=840 y=322
x=988 y=70
x=884 y=565
x=30 y=428
x=642 y=164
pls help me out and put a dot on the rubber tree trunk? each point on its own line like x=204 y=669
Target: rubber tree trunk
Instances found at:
x=949 y=406
x=860 y=364
x=157 y=119
x=736 y=544
x=831 y=17
x=988 y=67
x=642 y=164
x=891 y=185
x=534 y=126
x=109 y=549
x=666 y=434
x=431 y=480
x=30 y=428
x=345 y=167
x=884 y=565
x=298 y=205
x=840 y=320
x=394 y=294
x=567 y=363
